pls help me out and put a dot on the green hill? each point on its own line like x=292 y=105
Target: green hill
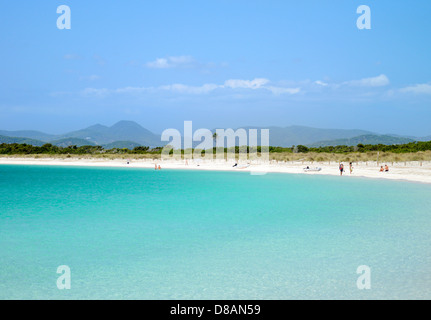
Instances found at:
x=10 y=140
x=121 y=131
x=66 y=142
x=363 y=139
x=96 y=135
x=300 y=135
x=121 y=145
x=29 y=134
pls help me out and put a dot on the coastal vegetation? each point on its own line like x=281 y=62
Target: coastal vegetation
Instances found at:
x=414 y=151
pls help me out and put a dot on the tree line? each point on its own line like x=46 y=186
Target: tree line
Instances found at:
x=15 y=148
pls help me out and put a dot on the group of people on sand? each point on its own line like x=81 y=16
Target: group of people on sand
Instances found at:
x=342 y=168
x=157 y=167
x=384 y=169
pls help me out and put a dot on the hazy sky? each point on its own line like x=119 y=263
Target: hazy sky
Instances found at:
x=218 y=63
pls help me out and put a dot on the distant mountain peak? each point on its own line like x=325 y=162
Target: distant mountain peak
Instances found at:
x=126 y=123
x=97 y=126
x=127 y=129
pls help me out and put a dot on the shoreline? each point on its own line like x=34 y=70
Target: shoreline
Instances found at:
x=414 y=172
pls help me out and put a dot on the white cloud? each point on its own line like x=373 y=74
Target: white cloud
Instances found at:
x=177 y=88
x=379 y=81
x=98 y=93
x=171 y=62
x=234 y=84
x=133 y=90
x=255 y=84
x=246 y=84
x=181 y=88
x=280 y=90
x=417 y=89
x=159 y=64
x=321 y=83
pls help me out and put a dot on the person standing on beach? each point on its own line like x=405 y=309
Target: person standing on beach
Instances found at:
x=351 y=167
x=341 y=169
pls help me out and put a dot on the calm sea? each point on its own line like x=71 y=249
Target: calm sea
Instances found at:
x=174 y=234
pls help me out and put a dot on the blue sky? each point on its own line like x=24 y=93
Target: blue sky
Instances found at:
x=217 y=63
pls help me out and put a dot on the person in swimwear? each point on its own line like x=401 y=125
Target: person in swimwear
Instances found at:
x=382 y=169
x=386 y=168
x=341 y=169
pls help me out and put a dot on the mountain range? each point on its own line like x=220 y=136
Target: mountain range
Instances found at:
x=120 y=135
x=364 y=139
x=129 y=134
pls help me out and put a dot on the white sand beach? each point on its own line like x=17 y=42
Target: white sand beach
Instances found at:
x=409 y=171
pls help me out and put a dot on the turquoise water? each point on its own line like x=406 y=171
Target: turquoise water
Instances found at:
x=142 y=234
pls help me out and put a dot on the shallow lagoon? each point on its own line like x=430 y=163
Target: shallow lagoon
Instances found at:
x=178 y=234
